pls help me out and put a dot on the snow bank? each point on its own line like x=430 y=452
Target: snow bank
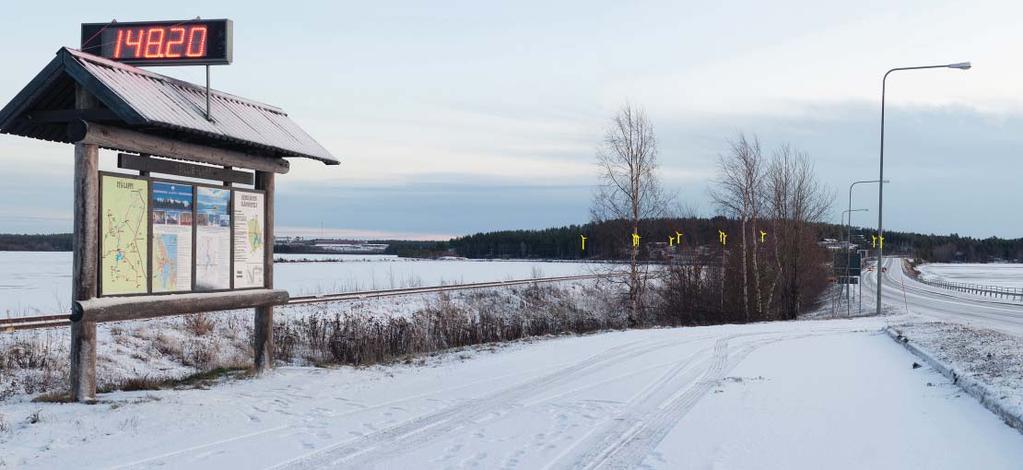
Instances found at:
x=987 y=364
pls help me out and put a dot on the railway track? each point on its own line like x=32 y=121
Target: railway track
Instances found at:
x=52 y=321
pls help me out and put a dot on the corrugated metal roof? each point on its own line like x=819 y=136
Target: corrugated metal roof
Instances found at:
x=158 y=104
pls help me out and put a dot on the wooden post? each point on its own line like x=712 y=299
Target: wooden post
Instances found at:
x=85 y=261
x=262 y=333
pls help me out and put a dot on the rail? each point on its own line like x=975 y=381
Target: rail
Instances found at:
x=1010 y=293
x=51 y=321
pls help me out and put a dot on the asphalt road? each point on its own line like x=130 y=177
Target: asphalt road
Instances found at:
x=902 y=293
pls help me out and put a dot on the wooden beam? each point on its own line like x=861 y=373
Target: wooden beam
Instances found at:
x=263 y=329
x=69 y=115
x=85 y=260
x=127 y=140
x=154 y=165
x=106 y=309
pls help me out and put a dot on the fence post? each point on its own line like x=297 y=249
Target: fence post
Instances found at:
x=85 y=248
x=262 y=333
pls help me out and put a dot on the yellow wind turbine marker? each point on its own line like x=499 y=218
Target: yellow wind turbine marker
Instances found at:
x=873 y=241
x=635 y=240
x=763 y=235
x=722 y=237
x=675 y=240
x=583 y=237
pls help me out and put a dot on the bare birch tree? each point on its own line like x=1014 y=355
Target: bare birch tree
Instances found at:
x=797 y=200
x=738 y=192
x=629 y=189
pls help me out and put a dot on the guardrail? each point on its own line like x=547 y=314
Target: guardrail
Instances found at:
x=51 y=321
x=1010 y=293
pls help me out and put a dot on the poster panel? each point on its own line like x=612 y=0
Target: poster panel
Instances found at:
x=124 y=235
x=249 y=239
x=172 y=237
x=212 y=239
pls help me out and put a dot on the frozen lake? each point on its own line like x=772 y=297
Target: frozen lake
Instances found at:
x=36 y=283
x=991 y=274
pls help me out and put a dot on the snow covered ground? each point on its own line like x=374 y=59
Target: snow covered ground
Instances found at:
x=39 y=283
x=811 y=394
x=991 y=274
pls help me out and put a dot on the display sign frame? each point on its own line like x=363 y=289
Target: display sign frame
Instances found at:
x=152 y=50
x=148 y=258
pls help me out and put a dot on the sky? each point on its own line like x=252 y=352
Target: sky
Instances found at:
x=457 y=117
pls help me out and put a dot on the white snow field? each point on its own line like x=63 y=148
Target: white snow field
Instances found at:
x=788 y=395
x=39 y=283
x=991 y=274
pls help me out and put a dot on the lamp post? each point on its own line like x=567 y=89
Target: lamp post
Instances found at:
x=848 y=249
x=880 y=187
x=848 y=240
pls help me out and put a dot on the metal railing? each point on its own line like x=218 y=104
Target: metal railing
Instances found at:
x=1010 y=293
x=50 y=321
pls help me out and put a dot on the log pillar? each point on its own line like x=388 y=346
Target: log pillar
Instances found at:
x=85 y=246
x=262 y=333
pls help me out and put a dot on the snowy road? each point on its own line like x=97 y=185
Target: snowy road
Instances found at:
x=902 y=293
x=814 y=394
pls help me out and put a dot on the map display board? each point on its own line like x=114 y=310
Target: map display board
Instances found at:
x=172 y=237
x=124 y=235
x=212 y=239
x=249 y=239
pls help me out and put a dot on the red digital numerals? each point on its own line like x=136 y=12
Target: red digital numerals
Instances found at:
x=161 y=42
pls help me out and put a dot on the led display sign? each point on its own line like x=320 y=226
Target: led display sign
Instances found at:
x=186 y=42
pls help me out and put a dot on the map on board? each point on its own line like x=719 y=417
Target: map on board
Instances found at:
x=124 y=235
x=172 y=237
x=212 y=239
x=249 y=239
x=165 y=263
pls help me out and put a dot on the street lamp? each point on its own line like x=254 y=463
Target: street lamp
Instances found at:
x=848 y=239
x=880 y=187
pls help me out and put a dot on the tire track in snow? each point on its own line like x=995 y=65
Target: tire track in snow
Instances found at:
x=367 y=449
x=289 y=429
x=633 y=435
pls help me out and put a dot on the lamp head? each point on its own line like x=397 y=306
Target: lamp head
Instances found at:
x=960 y=66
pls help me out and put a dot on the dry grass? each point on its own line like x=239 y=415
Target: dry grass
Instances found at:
x=53 y=397
x=476 y=318
x=200 y=324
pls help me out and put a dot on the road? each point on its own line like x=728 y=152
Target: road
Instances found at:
x=902 y=293
x=793 y=395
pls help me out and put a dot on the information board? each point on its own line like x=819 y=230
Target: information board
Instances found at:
x=124 y=235
x=162 y=236
x=172 y=237
x=212 y=239
x=249 y=239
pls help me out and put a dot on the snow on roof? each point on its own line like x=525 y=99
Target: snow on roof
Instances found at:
x=155 y=104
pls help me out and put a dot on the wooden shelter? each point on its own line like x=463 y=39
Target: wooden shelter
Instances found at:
x=94 y=103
